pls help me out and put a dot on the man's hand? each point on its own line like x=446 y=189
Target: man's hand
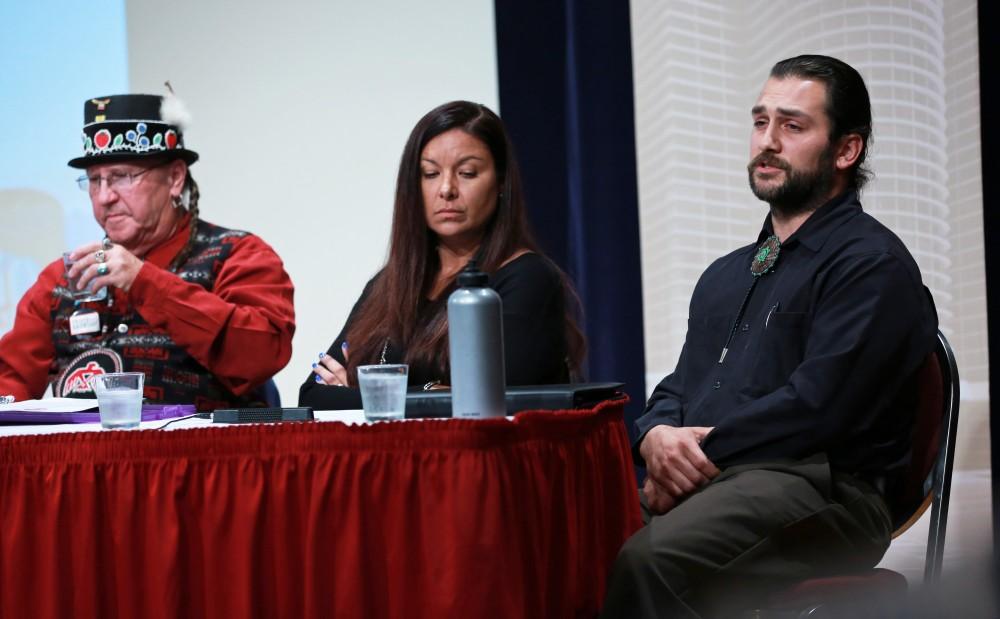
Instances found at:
x=120 y=266
x=674 y=460
x=658 y=500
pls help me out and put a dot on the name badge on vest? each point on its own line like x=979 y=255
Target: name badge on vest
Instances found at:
x=84 y=321
x=74 y=381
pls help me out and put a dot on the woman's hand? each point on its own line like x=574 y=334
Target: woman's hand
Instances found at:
x=329 y=371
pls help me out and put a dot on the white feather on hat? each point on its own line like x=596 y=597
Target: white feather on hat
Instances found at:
x=173 y=110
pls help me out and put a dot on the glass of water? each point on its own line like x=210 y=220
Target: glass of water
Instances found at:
x=383 y=390
x=81 y=295
x=119 y=397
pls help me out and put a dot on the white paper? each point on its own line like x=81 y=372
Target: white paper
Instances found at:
x=52 y=405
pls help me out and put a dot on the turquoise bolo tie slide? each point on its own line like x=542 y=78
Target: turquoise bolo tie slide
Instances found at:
x=767 y=254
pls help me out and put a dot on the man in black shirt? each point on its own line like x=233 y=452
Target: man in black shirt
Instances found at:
x=770 y=448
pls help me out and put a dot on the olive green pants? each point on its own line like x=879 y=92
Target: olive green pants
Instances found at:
x=753 y=529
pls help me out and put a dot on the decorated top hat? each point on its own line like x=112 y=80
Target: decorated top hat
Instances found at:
x=121 y=127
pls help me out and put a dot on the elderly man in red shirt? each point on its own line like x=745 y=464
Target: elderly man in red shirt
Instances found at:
x=203 y=311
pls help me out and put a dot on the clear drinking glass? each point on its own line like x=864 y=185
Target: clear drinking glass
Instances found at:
x=383 y=390
x=84 y=295
x=119 y=397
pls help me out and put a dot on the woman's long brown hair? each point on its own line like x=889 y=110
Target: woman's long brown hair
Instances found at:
x=390 y=313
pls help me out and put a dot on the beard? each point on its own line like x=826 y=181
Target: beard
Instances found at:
x=802 y=190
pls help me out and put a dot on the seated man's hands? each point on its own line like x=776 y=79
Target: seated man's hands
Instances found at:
x=658 y=500
x=675 y=463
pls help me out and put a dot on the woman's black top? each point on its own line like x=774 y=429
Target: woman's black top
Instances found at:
x=534 y=334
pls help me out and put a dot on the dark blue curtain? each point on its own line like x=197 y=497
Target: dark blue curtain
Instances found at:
x=989 y=102
x=565 y=74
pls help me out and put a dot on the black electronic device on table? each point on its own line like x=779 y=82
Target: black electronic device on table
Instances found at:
x=262 y=415
x=437 y=403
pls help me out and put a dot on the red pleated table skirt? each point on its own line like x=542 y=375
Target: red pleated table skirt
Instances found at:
x=436 y=518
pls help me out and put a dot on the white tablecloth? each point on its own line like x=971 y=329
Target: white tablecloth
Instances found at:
x=348 y=417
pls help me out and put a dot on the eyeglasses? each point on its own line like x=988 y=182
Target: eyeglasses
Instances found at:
x=117 y=181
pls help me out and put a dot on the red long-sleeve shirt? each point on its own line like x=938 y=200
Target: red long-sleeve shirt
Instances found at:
x=240 y=331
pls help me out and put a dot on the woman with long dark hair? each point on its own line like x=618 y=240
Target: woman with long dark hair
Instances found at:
x=458 y=197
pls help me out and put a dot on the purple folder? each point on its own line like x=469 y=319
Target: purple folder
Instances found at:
x=150 y=412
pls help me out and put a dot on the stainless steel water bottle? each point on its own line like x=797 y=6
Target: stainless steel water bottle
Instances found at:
x=475 y=341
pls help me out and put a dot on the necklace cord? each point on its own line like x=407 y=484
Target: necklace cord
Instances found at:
x=762 y=263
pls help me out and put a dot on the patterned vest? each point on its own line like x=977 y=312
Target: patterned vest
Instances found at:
x=172 y=376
